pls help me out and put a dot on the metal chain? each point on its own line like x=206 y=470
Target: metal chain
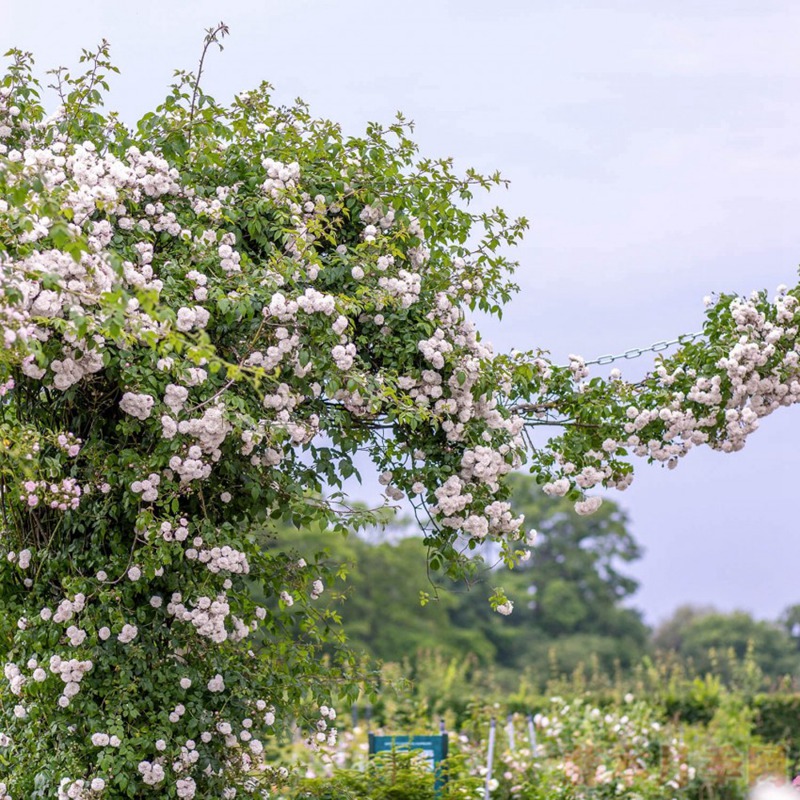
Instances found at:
x=640 y=351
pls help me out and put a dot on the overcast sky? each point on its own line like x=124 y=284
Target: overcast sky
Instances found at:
x=653 y=146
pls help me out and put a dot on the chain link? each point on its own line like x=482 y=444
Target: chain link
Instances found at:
x=640 y=351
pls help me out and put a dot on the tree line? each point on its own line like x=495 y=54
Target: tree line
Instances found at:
x=574 y=602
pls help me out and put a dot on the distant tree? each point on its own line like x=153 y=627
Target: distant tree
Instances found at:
x=568 y=595
x=706 y=637
x=574 y=576
x=790 y=620
x=378 y=600
x=670 y=633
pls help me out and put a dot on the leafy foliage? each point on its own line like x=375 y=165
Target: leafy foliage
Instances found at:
x=207 y=318
x=704 y=638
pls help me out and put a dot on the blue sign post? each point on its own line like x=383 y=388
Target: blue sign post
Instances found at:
x=432 y=748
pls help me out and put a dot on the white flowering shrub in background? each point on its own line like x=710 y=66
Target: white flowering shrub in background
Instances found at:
x=205 y=319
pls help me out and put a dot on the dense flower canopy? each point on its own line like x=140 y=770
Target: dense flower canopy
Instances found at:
x=206 y=320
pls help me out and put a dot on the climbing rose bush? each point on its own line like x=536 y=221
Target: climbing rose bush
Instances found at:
x=208 y=320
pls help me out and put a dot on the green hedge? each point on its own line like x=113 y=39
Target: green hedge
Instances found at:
x=777 y=720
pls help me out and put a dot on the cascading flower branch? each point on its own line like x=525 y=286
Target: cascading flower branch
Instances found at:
x=206 y=319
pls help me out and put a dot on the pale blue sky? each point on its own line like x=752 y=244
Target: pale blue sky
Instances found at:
x=654 y=147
